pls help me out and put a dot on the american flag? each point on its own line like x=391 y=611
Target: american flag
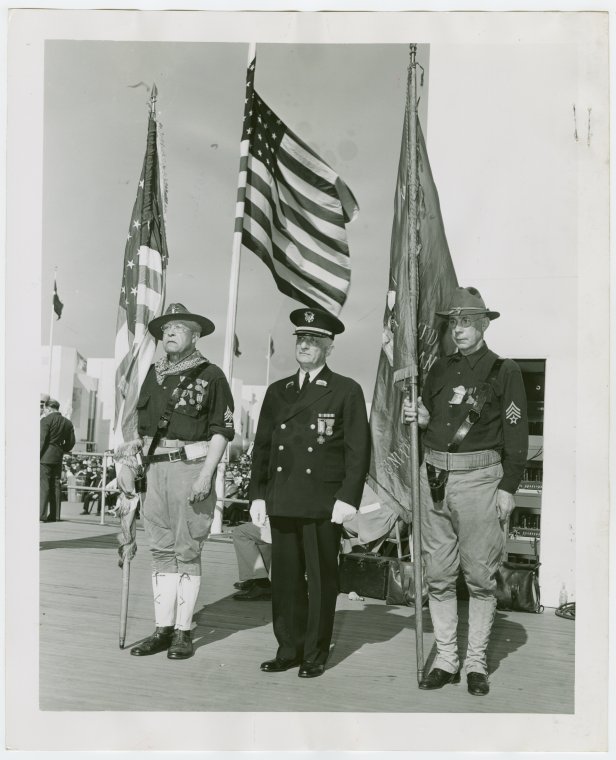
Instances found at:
x=143 y=286
x=292 y=209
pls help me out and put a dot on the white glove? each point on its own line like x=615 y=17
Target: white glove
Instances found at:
x=342 y=511
x=257 y=512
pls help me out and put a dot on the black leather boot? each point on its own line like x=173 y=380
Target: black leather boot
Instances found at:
x=157 y=642
x=181 y=646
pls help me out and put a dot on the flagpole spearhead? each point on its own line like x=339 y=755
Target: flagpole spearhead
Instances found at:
x=153 y=97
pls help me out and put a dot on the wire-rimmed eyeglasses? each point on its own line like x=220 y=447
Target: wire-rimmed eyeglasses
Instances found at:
x=464 y=321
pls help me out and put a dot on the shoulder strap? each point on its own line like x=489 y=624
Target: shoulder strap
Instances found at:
x=475 y=411
x=165 y=417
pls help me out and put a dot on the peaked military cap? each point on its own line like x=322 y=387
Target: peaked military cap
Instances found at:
x=468 y=302
x=177 y=312
x=315 y=322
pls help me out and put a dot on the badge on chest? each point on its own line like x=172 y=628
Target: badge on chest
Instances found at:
x=325 y=426
x=462 y=395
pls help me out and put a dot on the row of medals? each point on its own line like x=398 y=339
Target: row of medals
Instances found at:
x=325 y=426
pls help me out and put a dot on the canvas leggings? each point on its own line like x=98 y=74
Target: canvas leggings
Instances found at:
x=462 y=532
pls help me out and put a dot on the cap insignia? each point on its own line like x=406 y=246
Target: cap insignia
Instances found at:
x=309 y=316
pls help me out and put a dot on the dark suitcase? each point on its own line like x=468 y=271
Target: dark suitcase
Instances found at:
x=366 y=574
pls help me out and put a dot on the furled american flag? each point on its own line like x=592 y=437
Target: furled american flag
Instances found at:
x=143 y=285
x=292 y=209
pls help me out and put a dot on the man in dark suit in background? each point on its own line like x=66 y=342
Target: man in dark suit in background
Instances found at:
x=310 y=458
x=57 y=439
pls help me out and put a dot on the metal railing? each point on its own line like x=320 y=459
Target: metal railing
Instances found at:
x=103 y=491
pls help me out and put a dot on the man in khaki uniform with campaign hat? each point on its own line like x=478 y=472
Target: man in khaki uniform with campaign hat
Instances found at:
x=185 y=420
x=473 y=412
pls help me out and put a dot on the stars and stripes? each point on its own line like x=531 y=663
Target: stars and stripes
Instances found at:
x=292 y=209
x=143 y=286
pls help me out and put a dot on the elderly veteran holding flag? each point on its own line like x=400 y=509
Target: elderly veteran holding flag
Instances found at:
x=473 y=411
x=310 y=458
x=185 y=420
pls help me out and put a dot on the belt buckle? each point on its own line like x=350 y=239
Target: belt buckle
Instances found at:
x=175 y=456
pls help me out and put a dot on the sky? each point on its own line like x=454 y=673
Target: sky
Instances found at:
x=347 y=102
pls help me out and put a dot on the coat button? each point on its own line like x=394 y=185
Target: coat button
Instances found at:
x=310 y=449
x=278 y=469
x=312 y=427
x=281 y=447
x=283 y=426
x=308 y=471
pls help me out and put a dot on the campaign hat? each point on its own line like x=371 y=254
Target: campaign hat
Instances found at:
x=310 y=321
x=177 y=312
x=468 y=302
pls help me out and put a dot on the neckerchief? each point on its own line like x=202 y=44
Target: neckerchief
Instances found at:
x=164 y=367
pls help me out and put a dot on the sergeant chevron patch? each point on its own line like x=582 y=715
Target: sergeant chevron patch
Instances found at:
x=513 y=413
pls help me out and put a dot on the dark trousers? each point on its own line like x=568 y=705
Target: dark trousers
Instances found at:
x=50 y=490
x=305 y=586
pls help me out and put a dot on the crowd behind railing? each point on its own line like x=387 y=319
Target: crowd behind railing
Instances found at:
x=90 y=478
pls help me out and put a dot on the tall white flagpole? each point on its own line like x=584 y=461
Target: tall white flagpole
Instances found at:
x=51 y=322
x=234 y=282
x=269 y=356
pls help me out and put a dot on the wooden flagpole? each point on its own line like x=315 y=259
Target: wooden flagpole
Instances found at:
x=413 y=187
x=234 y=282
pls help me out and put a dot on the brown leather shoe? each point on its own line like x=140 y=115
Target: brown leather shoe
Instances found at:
x=477 y=684
x=157 y=642
x=278 y=665
x=181 y=646
x=437 y=678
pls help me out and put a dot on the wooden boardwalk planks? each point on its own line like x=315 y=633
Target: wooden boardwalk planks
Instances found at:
x=371 y=668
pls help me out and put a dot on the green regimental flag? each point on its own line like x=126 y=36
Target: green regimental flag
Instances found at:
x=390 y=468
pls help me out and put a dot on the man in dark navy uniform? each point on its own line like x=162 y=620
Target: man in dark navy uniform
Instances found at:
x=468 y=502
x=310 y=458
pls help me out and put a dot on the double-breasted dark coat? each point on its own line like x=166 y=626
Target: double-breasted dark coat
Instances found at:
x=311 y=448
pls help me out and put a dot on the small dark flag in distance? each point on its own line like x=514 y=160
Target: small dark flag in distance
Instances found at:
x=236 y=346
x=271 y=347
x=390 y=470
x=295 y=209
x=57 y=303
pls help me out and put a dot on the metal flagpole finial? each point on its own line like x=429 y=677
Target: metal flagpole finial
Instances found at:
x=413 y=62
x=153 y=98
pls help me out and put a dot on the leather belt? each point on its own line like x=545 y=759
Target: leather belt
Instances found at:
x=190 y=452
x=471 y=460
x=165 y=443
